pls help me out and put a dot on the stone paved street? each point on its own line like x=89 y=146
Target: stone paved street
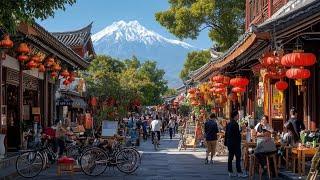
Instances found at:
x=166 y=164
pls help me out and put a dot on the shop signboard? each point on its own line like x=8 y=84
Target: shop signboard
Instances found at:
x=109 y=128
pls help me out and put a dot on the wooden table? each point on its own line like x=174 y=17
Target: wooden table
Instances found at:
x=302 y=153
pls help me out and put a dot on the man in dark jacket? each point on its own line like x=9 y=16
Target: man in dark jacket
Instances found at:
x=233 y=142
x=211 y=130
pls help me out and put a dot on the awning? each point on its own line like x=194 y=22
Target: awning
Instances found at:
x=64 y=101
x=78 y=103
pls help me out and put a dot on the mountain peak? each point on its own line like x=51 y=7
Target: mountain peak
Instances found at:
x=134 y=31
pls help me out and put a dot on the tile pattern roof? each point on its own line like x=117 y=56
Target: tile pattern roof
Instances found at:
x=74 y=38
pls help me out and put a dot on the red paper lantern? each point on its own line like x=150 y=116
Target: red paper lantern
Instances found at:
x=31 y=65
x=219 y=85
x=270 y=60
x=23 y=48
x=192 y=90
x=298 y=59
x=238 y=89
x=298 y=73
x=239 y=82
x=23 y=58
x=41 y=68
x=220 y=90
x=65 y=73
x=218 y=78
x=281 y=85
x=276 y=75
x=212 y=89
x=54 y=74
x=6 y=42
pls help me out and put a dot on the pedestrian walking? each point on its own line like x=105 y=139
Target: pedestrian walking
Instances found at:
x=233 y=142
x=171 y=126
x=155 y=128
x=298 y=124
x=211 y=130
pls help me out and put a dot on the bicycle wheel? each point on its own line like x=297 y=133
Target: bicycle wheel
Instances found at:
x=29 y=164
x=94 y=161
x=127 y=160
x=137 y=155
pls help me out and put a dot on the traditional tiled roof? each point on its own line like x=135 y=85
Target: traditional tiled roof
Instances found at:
x=59 y=49
x=74 y=38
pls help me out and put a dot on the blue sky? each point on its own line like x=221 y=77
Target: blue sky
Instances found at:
x=104 y=12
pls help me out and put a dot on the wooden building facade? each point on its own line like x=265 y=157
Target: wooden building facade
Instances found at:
x=28 y=95
x=282 y=27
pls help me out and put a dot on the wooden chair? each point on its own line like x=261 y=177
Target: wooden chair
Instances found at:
x=253 y=163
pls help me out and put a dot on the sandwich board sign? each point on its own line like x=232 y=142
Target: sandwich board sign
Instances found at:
x=109 y=128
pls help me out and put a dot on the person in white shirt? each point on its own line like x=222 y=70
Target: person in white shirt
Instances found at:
x=171 y=126
x=155 y=128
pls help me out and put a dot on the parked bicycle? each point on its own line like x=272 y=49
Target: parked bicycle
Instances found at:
x=94 y=161
x=30 y=163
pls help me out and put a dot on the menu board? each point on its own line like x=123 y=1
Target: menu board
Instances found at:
x=109 y=128
x=277 y=103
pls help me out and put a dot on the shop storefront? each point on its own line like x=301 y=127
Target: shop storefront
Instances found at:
x=275 y=86
x=29 y=77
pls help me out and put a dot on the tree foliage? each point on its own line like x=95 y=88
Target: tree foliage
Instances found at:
x=120 y=84
x=12 y=12
x=187 y=18
x=194 y=61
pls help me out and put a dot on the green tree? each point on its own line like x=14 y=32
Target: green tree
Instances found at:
x=12 y=12
x=194 y=61
x=124 y=82
x=171 y=92
x=187 y=18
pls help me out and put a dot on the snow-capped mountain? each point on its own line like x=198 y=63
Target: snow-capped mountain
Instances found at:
x=125 y=39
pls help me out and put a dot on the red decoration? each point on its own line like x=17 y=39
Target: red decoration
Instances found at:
x=66 y=82
x=23 y=58
x=6 y=42
x=66 y=160
x=281 y=85
x=239 y=82
x=220 y=90
x=219 y=85
x=54 y=74
x=41 y=68
x=65 y=73
x=298 y=59
x=23 y=48
x=71 y=78
x=192 y=90
x=277 y=75
x=270 y=60
x=93 y=101
x=238 y=89
x=218 y=78
x=56 y=67
x=298 y=73
x=31 y=64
